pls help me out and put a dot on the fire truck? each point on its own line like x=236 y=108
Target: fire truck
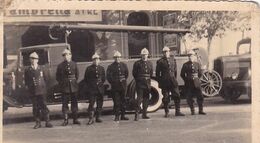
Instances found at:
x=235 y=70
x=72 y=36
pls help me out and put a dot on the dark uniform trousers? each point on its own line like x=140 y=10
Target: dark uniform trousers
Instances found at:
x=117 y=73
x=67 y=75
x=39 y=107
x=142 y=72
x=166 y=71
x=35 y=81
x=94 y=79
x=190 y=73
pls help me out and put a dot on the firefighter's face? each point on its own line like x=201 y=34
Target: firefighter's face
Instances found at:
x=167 y=54
x=34 y=61
x=117 y=59
x=67 y=57
x=96 y=61
x=144 y=57
x=192 y=58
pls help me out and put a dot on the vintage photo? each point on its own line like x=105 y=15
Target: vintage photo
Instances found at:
x=91 y=75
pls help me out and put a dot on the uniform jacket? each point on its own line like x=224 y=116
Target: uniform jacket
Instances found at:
x=142 y=73
x=35 y=80
x=166 y=71
x=190 y=73
x=67 y=75
x=94 y=79
x=117 y=74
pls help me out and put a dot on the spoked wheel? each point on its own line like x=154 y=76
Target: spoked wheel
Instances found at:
x=211 y=83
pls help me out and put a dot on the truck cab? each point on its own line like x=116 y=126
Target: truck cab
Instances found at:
x=235 y=71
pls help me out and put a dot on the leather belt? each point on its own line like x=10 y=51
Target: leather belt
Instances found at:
x=71 y=77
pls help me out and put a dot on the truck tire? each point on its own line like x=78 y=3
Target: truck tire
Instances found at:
x=155 y=99
x=230 y=94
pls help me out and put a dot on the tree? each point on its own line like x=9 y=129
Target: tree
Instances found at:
x=208 y=24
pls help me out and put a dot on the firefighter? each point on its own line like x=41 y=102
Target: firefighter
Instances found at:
x=142 y=72
x=35 y=78
x=191 y=73
x=166 y=71
x=117 y=74
x=67 y=75
x=94 y=79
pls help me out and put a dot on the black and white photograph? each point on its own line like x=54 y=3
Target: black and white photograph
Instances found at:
x=181 y=75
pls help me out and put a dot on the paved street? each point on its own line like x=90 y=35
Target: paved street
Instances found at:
x=224 y=123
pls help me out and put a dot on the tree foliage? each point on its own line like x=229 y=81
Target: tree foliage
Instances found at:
x=210 y=24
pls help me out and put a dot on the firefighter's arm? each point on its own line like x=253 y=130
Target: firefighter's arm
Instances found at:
x=151 y=69
x=86 y=75
x=175 y=68
x=158 y=71
x=183 y=72
x=199 y=71
x=26 y=78
x=103 y=75
x=77 y=72
x=126 y=71
x=109 y=74
x=135 y=68
x=58 y=74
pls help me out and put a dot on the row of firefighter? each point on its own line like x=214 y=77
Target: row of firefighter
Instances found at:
x=67 y=74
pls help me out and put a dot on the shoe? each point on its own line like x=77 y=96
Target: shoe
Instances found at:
x=136 y=116
x=65 y=123
x=116 y=118
x=38 y=125
x=202 y=113
x=179 y=114
x=124 y=118
x=166 y=114
x=90 y=121
x=76 y=121
x=145 y=117
x=48 y=125
x=98 y=120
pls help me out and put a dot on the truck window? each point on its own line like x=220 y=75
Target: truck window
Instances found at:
x=244 y=48
x=43 y=56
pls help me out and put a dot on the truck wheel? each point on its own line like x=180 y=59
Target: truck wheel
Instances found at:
x=155 y=99
x=211 y=83
x=230 y=94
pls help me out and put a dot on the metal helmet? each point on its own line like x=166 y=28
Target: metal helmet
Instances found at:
x=34 y=55
x=95 y=56
x=165 y=48
x=117 y=54
x=65 y=52
x=144 y=51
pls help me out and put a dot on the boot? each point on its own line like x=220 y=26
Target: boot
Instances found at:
x=201 y=112
x=177 y=108
x=166 y=114
x=192 y=111
x=116 y=118
x=136 y=116
x=91 y=116
x=38 y=124
x=123 y=117
x=144 y=116
x=75 y=119
x=48 y=124
x=98 y=120
x=66 y=120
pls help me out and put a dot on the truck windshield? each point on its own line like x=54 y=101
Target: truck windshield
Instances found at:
x=244 y=48
x=43 y=56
